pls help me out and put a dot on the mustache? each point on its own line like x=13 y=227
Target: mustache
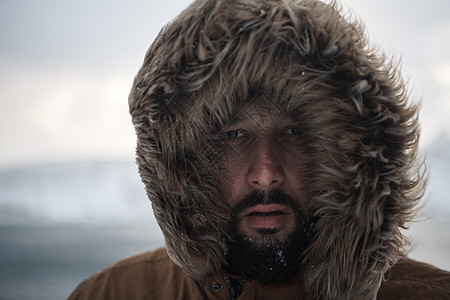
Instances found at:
x=265 y=197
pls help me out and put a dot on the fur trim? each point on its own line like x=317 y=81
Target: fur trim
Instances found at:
x=305 y=57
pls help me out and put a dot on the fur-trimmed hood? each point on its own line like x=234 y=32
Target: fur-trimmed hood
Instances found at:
x=361 y=131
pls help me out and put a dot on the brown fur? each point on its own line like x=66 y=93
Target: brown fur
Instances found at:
x=361 y=131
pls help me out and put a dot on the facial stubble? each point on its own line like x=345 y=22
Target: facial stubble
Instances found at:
x=269 y=258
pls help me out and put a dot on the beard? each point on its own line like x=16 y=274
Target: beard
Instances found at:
x=268 y=259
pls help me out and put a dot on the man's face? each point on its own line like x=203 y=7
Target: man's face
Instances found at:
x=264 y=152
x=264 y=180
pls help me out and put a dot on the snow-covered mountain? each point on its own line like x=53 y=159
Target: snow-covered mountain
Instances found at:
x=88 y=192
x=437 y=196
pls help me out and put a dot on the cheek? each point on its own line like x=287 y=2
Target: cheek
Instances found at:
x=300 y=175
x=232 y=181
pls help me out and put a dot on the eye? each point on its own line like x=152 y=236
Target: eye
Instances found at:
x=231 y=135
x=295 y=130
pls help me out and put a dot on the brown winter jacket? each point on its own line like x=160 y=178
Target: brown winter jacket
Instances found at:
x=152 y=275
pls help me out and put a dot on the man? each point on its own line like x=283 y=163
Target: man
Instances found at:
x=279 y=152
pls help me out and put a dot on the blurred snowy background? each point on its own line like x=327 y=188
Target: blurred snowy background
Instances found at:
x=70 y=196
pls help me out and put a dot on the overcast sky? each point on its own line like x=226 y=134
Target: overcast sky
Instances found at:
x=66 y=68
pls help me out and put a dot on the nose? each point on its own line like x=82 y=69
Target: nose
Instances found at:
x=265 y=170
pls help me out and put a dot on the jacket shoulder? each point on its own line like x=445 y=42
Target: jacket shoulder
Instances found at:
x=150 y=275
x=410 y=279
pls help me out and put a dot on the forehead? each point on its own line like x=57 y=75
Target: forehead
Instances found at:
x=260 y=112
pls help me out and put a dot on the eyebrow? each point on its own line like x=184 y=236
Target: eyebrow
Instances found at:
x=241 y=117
x=246 y=117
x=235 y=121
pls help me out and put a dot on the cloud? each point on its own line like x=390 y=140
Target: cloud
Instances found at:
x=63 y=115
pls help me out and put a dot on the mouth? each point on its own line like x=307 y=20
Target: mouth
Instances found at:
x=266 y=216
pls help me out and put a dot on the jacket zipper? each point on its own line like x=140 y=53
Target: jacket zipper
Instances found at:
x=234 y=288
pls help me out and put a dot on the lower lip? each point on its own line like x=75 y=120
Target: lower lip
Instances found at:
x=266 y=222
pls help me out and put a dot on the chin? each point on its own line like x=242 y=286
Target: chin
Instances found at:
x=263 y=237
